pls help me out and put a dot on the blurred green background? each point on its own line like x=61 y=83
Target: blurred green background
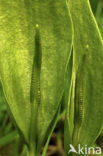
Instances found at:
x=11 y=142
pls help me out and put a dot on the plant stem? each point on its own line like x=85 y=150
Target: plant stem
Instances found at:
x=31 y=153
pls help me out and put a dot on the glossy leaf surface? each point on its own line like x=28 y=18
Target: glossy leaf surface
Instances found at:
x=87 y=75
x=34 y=88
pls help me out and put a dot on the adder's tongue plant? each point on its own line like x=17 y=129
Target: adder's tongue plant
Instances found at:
x=86 y=94
x=35 y=44
x=36 y=40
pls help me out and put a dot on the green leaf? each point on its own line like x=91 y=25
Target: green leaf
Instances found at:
x=68 y=75
x=87 y=75
x=31 y=31
x=94 y=5
x=8 y=138
x=97 y=7
x=2 y=100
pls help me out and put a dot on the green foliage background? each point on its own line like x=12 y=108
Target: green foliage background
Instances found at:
x=10 y=142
